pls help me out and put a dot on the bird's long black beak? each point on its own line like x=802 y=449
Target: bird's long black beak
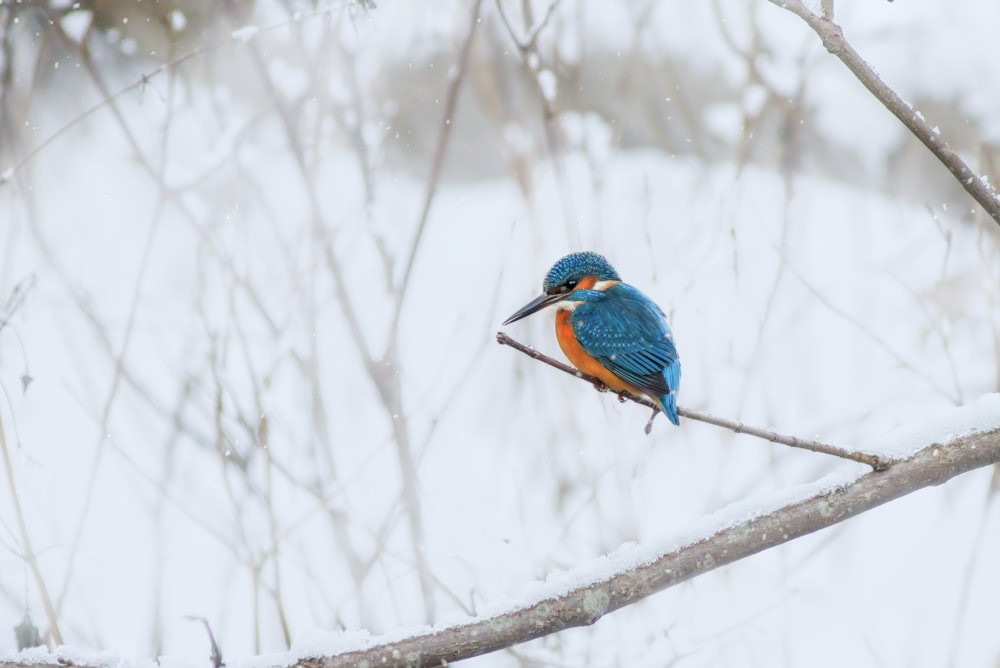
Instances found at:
x=536 y=304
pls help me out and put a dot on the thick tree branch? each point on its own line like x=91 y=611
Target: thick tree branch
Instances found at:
x=584 y=605
x=833 y=39
x=643 y=575
x=877 y=462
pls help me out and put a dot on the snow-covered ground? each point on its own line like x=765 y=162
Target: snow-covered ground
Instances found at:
x=239 y=463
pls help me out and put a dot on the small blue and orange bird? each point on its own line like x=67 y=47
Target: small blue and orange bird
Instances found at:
x=610 y=330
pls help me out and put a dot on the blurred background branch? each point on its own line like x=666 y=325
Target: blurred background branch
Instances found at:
x=832 y=36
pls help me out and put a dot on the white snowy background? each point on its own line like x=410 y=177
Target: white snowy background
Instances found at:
x=201 y=434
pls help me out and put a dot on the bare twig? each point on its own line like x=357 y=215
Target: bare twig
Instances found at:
x=889 y=350
x=388 y=383
x=982 y=531
x=554 y=135
x=29 y=552
x=527 y=43
x=877 y=462
x=16 y=299
x=832 y=36
x=451 y=99
x=381 y=371
x=108 y=100
x=119 y=358
x=216 y=656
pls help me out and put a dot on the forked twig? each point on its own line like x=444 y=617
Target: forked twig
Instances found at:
x=878 y=463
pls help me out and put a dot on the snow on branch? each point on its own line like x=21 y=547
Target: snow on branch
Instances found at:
x=832 y=36
x=640 y=574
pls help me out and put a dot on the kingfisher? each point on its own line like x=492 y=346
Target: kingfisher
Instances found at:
x=610 y=330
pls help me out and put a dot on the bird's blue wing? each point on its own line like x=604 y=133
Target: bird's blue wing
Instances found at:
x=627 y=333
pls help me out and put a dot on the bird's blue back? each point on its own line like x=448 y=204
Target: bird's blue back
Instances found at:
x=628 y=333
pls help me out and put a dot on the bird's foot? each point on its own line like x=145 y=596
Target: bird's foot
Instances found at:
x=649 y=423
x=600 y=387
x=621 y=397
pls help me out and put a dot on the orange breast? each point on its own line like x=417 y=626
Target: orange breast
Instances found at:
x=581 y=359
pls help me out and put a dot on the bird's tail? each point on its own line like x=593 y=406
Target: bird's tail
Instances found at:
x=669 y=404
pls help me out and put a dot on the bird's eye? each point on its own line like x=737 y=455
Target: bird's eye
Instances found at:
x=571 y=285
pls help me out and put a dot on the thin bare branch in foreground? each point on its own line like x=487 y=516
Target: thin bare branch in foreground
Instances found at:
x=450 y=102
x=216 y=655
x=29 y=555
x=877 y=462
x=832 y=36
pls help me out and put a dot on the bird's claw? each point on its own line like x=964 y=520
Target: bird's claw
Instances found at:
x=621 y=397
x=649 y=423
x=600 y=387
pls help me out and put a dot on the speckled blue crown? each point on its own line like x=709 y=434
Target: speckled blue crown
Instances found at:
x=578 y=265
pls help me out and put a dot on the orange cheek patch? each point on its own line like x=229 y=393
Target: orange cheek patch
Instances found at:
x=586 y=283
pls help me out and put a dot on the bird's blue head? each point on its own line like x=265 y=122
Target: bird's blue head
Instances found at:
x=576 y=271
x=571 y=270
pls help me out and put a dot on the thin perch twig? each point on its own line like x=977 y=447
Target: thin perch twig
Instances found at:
x=877 y=462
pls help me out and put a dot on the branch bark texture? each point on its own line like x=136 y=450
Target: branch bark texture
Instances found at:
x=933 y=465
x=833 y=39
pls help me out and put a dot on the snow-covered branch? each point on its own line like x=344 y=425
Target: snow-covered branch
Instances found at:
x=635 y=574
x=584 y=604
